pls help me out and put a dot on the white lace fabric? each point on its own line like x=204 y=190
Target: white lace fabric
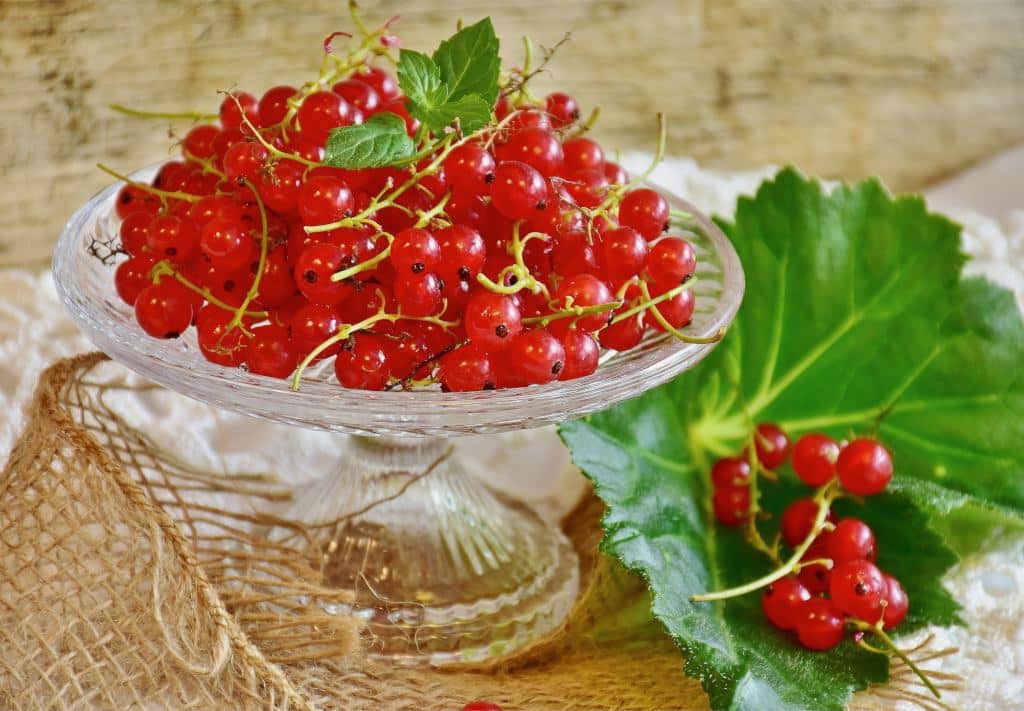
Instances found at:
x=34 y=331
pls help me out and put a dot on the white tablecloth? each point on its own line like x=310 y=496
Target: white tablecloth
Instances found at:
x=988 y=200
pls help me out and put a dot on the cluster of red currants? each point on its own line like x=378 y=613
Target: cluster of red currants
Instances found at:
x=836 y=581
x=505 y=258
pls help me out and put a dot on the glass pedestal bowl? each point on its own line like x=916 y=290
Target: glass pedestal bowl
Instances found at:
x=440 y=567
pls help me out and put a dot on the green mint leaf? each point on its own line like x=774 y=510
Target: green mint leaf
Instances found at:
x=380 y=141
x=420 y=80
x=855 y=307
x=469 y=62
x=472 y=112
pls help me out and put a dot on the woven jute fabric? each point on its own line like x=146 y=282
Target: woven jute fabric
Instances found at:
x=129 y=579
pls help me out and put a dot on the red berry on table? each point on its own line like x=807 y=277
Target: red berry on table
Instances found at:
x=132 y=276
x=864 y=467
x=670 y=262
x=730 y=471
x=645 y=211
x=797 y=521
x=858 y=588
x=731 y=505
x=581 y=354
x=852 y=539
x=814 y=458
x=466 y=369
x=782 y=602
x=536 y=356
x=270 y=352
x=820 y=626
x=165 y=309
x=518 y=190
x=771 y=445
x=470 y=168
x=562 y=109
x=585 y=290
x=492 y=320
x=896 y=600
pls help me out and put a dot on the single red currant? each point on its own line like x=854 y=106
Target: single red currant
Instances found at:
x=783 y=601
x=771 y=445
x=218 y=343
x=466 y=369
x=852 y=539
x=857 y=588
x=536 y=356
x=270 y=352
x=730 y=471
x=273 y=105
x=820 y=626
x=581 y=354
x=244 y=161
x=227 y=244
x=382 y=82
x=174 y=238
x=233 y=106
x=276 y=284
x=199 y=141
x=415 y=250
x=132 y=276
x=135 y=232
x=481 y=706
x=816 y=577
x=462 y=253
x=585 y=290
x=896 y=601
x=165 y=309
x=324 y=199
x=132 y=198
x=358 y=94
x=670 y=262
x=625 y=252
x=311 y=325
x=615 y=173
x=581 y=153
x=492 y=320
x=314 y=269
x=322 y=111
x=814 y=458
x=418 y=294
x=623 y=335
x=731 y=505
x=797 y=521
x=562 y=109
x=677 y=311
x=279 y=186
x=645 y=211
x=864 y=467
x=535 y=147
x=518 y=190
x=363 y=364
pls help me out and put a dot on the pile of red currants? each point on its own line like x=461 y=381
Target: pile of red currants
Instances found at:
x=832 y=582
x=502 y=258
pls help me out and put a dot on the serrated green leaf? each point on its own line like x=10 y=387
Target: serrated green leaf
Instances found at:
x=469 y=62
x=472 y=112
x=380 y=141
x=420 y=80
x=855 y=313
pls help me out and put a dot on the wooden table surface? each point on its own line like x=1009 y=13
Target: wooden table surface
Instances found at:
x=908 y=89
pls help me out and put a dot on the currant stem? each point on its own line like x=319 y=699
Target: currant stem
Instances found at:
x=877 y=630
x=648 y=303
x=669 y=328
x=751 y=531
x=173 y=116
x=573 y=312
x=368 y=264
x=254 y=290
x=205 y=163
x=824 y=498
x=164 y=195
x=588 y=124
x=164 y=268
x=271 y=149
x=426 y=216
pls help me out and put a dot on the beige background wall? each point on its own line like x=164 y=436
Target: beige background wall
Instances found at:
x=908 y=89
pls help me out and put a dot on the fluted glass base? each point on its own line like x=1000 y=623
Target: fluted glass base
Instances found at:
x=441 y=568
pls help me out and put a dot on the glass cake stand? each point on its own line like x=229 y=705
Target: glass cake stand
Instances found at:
x=440 y=567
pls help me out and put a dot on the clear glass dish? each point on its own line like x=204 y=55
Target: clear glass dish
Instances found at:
x=442 y=569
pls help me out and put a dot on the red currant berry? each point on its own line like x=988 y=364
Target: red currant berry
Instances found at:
x=270 y=352
x=518 y=190
x=276 y=284
x=135 y=232
x=645 y=211
x=526 y=118
x=273 y=105
x=783 y=602
x=382 y=82
x=797 y=521
x=199 y=141
x=857 y=588
x=730 y=471
x=279 y=186
x=615 y=173
x=771 y=445
x=415 y=250
x=536 y=356
x=358 y=94
x=820 y=626
x=572 y=255
x=585 y=290
x=311 y=325
x=322 y=111
x=418 y=294
x=816 y=577
x=233 y=106
x=227 y=243
x=306 y=147
x=583 y=154
x=481 y=706
x=462 y=254
x=623 y=335
x=732 y=505
x=814 y=458
x=677 y=311
x=469 y=168
x=466 y=369
x=135 y=199
x=363 y=365
x=314 y=269
x=535 y=147
x=864 y=467
x=211 y=206
x=492 y=320
x=164 y=310
x=133 y=276
x=324 y=199
x=581 y=354
x=219 y=344
x=896 y=601
x=562 y=109
x=585 y=188
x=670 y=262
x=852 y=539
x=174 y=238
x=625 y=252
x=244 y=161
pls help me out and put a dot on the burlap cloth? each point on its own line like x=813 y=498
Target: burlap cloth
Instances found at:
x=129 y=580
